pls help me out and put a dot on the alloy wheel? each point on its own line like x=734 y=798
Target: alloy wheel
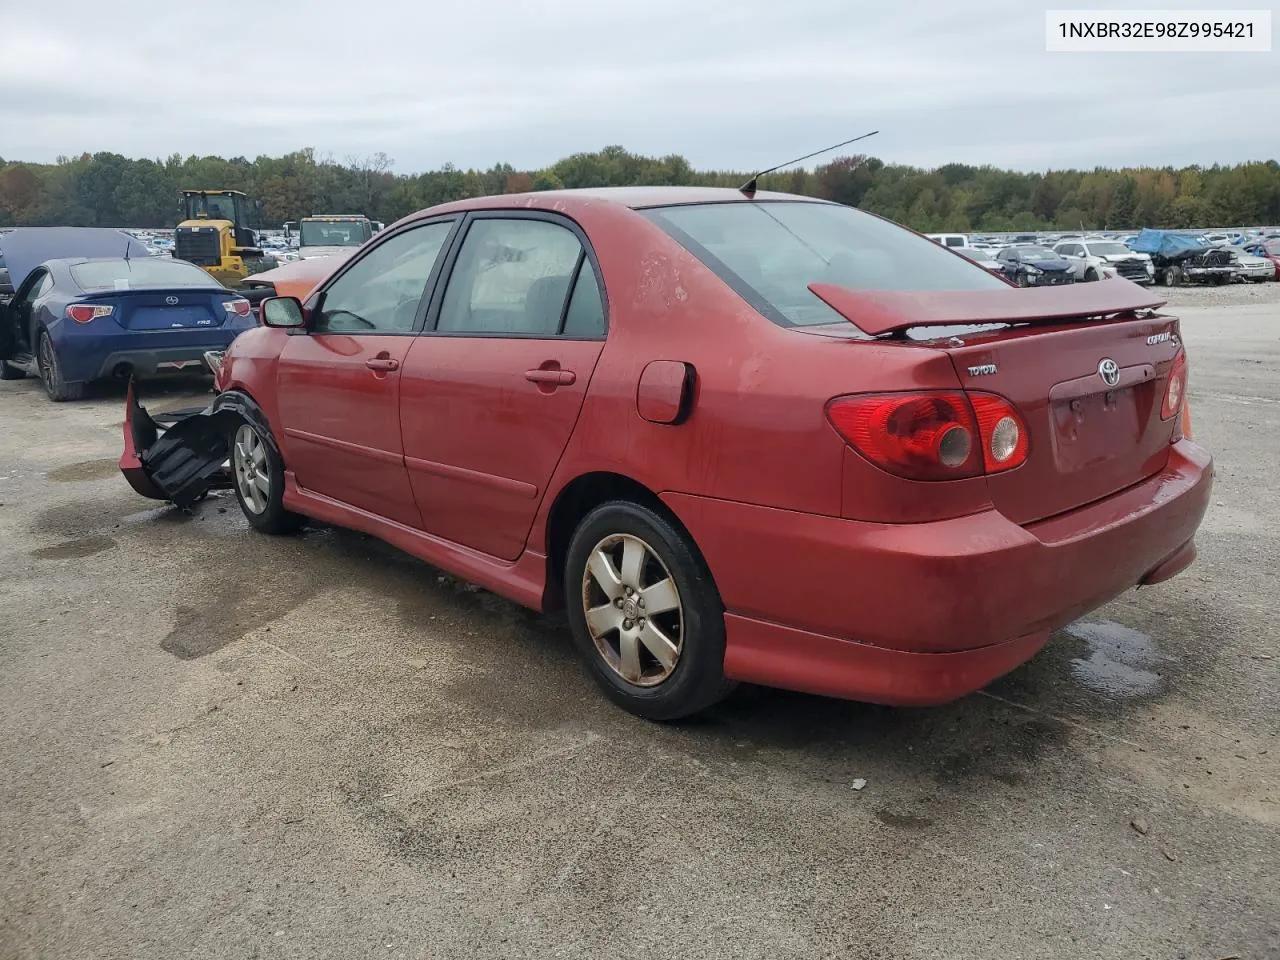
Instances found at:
x=633 y=610
x=48 y=365
x=253 y=474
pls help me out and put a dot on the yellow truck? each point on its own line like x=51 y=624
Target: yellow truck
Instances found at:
x=215 y=234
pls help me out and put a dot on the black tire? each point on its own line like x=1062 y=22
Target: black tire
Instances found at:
x=272 y=518
x=10 y=373
x=55 y=386
x=1172 y=277
x=696 y=681
x=1091 y=275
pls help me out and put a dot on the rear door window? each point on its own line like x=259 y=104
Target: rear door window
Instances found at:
x=513 y=277
x=770 y=251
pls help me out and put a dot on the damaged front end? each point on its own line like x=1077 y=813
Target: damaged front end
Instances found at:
x=181 y=455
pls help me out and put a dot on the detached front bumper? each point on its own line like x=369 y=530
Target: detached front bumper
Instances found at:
x=177 y=457
x=924 y=613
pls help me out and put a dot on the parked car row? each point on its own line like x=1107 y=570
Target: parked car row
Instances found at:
x=1089 y=258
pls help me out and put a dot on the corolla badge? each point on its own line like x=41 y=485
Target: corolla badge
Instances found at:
x=1109 y=371
x=171 y=301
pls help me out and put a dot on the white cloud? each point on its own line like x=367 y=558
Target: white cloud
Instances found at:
x=735 y=84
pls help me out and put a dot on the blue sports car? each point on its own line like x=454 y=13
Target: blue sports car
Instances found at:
x=77 y=319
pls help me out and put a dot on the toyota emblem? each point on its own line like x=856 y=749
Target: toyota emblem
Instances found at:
x=1109 y=371
x=171 y=301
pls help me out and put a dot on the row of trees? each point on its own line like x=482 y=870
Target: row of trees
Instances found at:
x=107 y=189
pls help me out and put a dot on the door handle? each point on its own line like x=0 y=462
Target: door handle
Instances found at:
x=382 y=363
x=558 y=378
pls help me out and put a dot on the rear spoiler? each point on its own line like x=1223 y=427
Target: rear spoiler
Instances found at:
x=876 y=312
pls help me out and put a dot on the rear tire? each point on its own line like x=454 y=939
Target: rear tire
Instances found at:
x=257 y=474
x=1172 y=277
x=55 y=386
x=662 y=661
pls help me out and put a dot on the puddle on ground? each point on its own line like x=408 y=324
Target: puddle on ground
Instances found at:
x=74 y=549
x=1122 y=662
x=88 y=470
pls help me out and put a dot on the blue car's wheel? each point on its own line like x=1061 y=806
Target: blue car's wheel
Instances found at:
x=51 y=372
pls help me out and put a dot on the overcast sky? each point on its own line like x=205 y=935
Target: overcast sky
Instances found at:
x=741 y=84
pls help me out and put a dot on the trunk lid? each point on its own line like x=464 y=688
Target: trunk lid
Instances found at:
x=1088 y=438
x=178 y=308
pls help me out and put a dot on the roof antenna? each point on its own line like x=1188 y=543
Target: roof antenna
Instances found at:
x=748 y=189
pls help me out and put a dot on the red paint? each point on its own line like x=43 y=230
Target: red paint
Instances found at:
x=482 y=438
x=883 y=311
x=339 y=421
x=838 y=577
x=663 y=393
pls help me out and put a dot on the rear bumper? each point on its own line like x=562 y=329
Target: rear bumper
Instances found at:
x=86 y=355
x=926 y=612
x=150 y=363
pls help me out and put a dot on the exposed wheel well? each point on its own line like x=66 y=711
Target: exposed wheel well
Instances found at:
x=574 y=502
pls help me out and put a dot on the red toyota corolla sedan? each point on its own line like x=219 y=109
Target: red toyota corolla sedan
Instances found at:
x=741 y=438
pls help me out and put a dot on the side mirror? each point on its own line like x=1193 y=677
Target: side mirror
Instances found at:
x=282 y=312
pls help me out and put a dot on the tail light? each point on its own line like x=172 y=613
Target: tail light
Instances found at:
x=1176 y=389
x=1004 y=435
x=921 y=436
x=85 y=312
x=936 y=435
x=239 y=306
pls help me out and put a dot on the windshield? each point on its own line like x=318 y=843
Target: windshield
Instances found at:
x=769 y=252
x=215 y=208
x=334 y=233
x=975 y=253
x=141 y=273
x=1109 y=250
x=1037 y=253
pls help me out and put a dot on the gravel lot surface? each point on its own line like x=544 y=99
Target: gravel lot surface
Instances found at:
x=222 y=745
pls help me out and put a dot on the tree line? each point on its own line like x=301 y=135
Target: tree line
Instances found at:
x=107 y=189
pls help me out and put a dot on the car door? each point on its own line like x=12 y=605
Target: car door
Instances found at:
x=1074 y=254
x=491 y=391
x=339 y=378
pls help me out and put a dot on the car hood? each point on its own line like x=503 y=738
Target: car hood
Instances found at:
x=1052 y=266
x=1121 y=257
x=26 y=248
x=299 y=278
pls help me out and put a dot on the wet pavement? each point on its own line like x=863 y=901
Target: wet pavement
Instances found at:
x=219 y=744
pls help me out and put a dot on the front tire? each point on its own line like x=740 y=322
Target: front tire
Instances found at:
x=645 y=613
x=1091 y=275
x=257 y=474
x=1172 y=277
x=55 y=386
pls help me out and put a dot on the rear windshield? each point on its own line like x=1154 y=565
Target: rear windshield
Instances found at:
x=769 y=252
x=141 y=273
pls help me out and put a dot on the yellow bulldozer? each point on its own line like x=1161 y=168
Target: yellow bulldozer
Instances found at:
x=215 y=234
